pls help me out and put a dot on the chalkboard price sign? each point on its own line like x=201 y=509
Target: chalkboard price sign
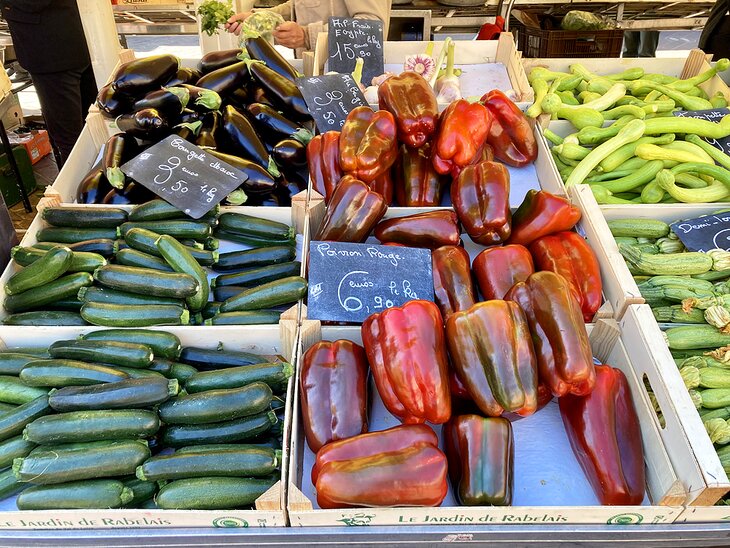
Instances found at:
x=704 y=233
x=348 y=39
x=349 y=282
x=713 y=115
x=330 y=99
x=186 y=176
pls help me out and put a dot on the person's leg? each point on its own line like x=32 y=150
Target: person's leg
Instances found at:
x=631 y=43
x=718 y=42
x=649 y=43
x=88 y=91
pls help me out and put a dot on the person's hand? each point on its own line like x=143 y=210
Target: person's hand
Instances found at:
x=290 y=35
x=234 y=23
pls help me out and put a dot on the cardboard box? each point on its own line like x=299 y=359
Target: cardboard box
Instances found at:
x=36 y=143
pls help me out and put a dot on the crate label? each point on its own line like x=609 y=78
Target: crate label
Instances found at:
x=348 y=39
x=704 y=233
x=330 y=99
x=185 y=175
x=349 y=282
x=712 y=115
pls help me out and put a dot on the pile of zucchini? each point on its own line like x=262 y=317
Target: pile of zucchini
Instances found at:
x=105 y=267
x=128 y=418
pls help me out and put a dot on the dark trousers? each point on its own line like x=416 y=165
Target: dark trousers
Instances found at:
x=640 y=43
x=65 y=98
x=717 y=41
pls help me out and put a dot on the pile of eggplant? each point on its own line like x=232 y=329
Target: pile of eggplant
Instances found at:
x=240 y=105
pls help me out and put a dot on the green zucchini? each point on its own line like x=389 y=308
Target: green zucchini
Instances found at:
x=80 y=426
x=52 y=265
x=160 y=210
x=84 y=217
x=239 y=223
x=196 y=230
x=229 y=463
x=212 y=493
x=114 y=296
x=714 y=377
x=210 y=309
x=64 y=305
x=696 y=336
x=57 y=373
x=217 y=447
x=12 y=362
x=13 y=448
x=225 y=292
x=85 y=494
x=144 y=240
x=5 y=407
x=15 y=391
x=253 y=241
x=67 y=235
x=275 y=375
x=107 y=352
x=255 y=276
x=666 y=263
x=181 y=371
x=96 y=460
x=100 y=246
x=45 y=317
x=81 y=261
x=9 y=484
x=162 y=343
x=181 y=261
x=715 y=398
x=62 y=288
x=245 y=317
x=142 y=491
x=146 y=281
x=206 y=359
x=245 y=428
x=125 y=394
x=639 y=228
x=141 y=373
x=250 y=258
x=216 y=405
x=132 y=257
x=13 y=422
x=268 y=295
x=120 y=315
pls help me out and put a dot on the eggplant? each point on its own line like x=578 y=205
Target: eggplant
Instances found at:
x=188 y=117
x=283 y=92
x=290 y=153
x=240 y=138
x=224 y=80
x=188 y=131
x=202 y=99
x=209 y=130
x=218 y=59
x=147 y=123
x=259 y=180
x=185 y=75
x=111 y=103
x=138 y=77
x=93 y=187
x=260 y=49
x=169 y=102
x=132 y=194
x=118 y=149
x=273 y=127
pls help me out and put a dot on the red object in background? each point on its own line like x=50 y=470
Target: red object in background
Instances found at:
x=490 y=31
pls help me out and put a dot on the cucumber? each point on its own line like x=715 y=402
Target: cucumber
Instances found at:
x=144 y=240
x=81 y=261
x=255 y=276
x=62 y=288
x=162 y=343
x=132 y=257
x=15 y=391
x=245 y=317
x=206 y=359
x=688 y=337
x=66 y=235
x=13 y=448
x=108 y=352
x=57 y=373
x=84 y=217
x=210 y=309
x=182 y=371
x=85 y=494
x=9 y=484
x=120 y=315
x=180 y=260
x=250 y=258
x=114 y=296
x=225 y=292
x=275 y=375
x=146 y=281
x=12 y=362
x=80 y=426
x=228 y=463
x=141 y=373
x=142 y=491
x=125 y=394
x=13 y=422
x=216 y=405
x=217 y=447
x=52 y=265
x=223 y=432
x=212 y=493
x=160 y=210
x=45 y=317
x=97 y=460
x=253 y=241
x=284 y=291
x=638 y=228
x=238 y=223
x=196 y=230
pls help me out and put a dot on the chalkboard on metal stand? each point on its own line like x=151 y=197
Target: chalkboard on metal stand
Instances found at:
x=704 y=233
x=330 y=99
x=186 y=176
x=348 y=39
x=713 y=115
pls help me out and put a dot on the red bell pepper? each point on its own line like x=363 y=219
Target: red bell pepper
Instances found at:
x=352 y=212
x=458 y=389
x=497 y=269
x=383 y=185
x=407 y=354
x=416 y=182
x=431 y=229
x=510 y=135
x=415 y=476
x=323 y=157
x=568 y=254
x=540 y=214
x=480 y=195
x=372 y=443
x=411 y=100
x=368 y=145
x=452 y=284
x=604 y=432
x=564 y=357
x=492 y=353
x=463 y=129
x=333 y=391
x=481 y=454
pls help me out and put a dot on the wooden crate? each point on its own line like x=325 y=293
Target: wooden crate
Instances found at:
x=542 y=475
x=269 y=508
